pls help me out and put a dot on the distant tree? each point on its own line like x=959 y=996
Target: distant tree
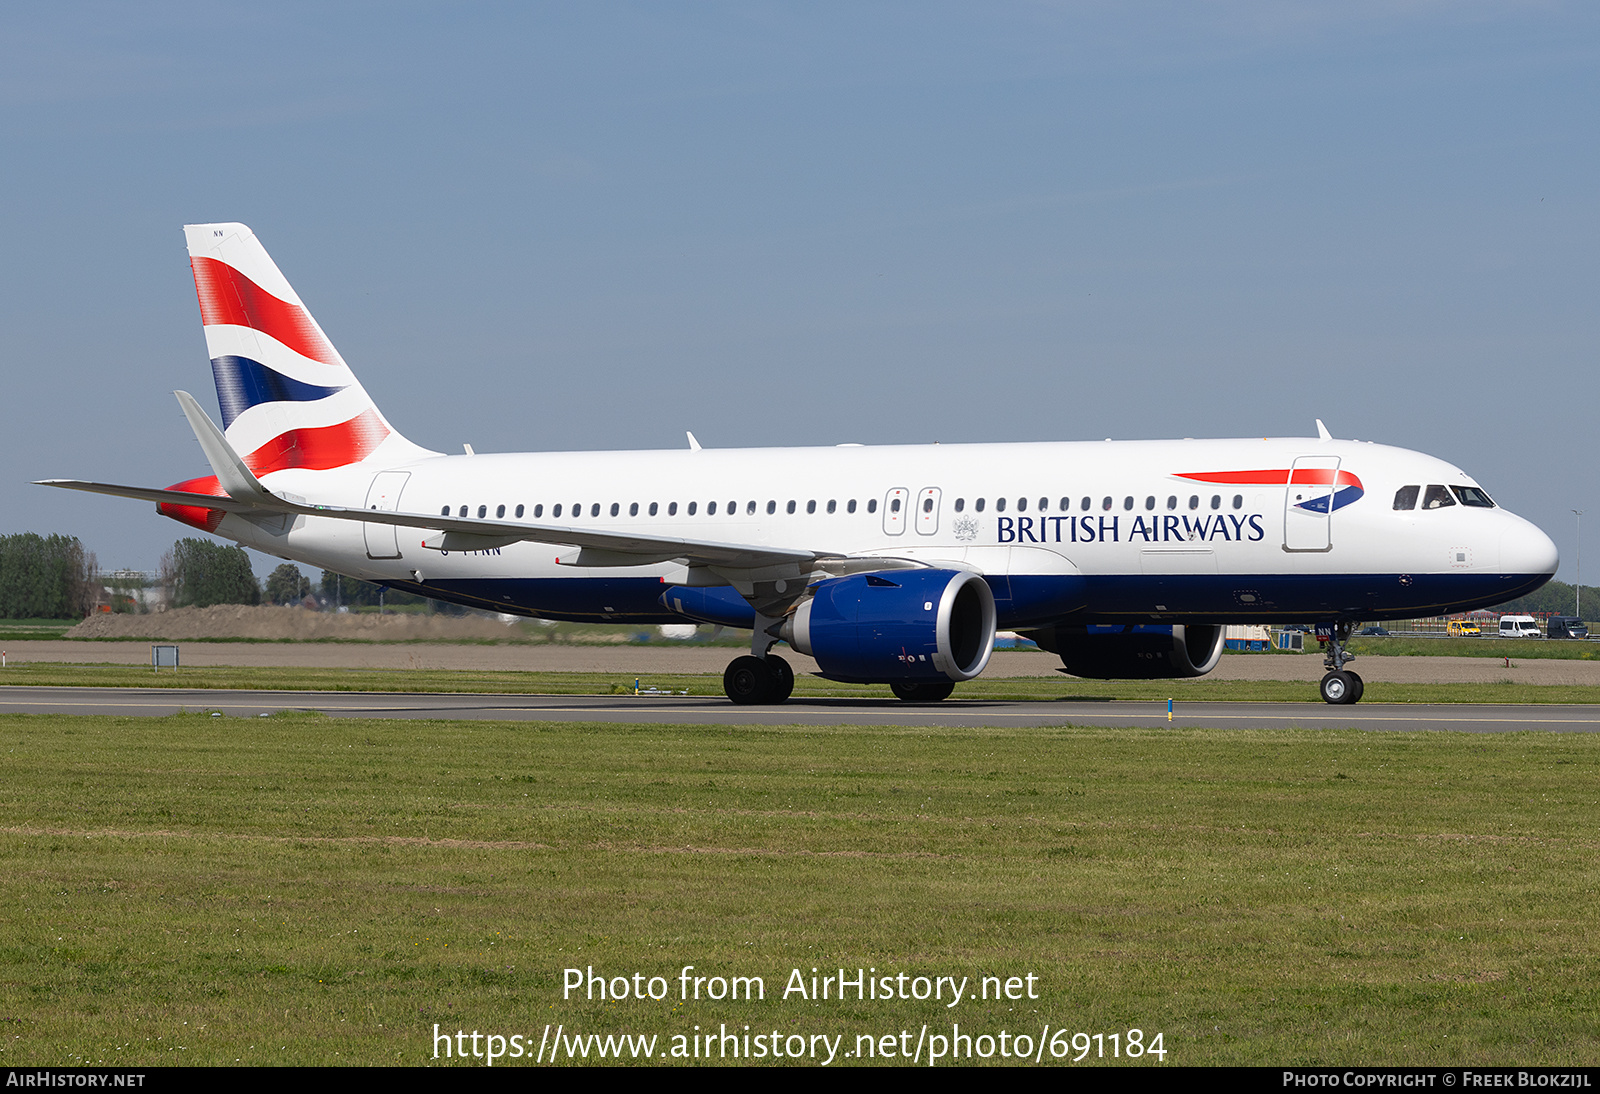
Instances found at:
x=201 y=573
x=287 y=585
x=44 y=577
x=1556 y=597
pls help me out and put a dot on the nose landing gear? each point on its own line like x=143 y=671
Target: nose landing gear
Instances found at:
x=1340 y=686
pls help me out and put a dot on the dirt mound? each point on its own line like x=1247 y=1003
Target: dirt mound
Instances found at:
x=267 y=623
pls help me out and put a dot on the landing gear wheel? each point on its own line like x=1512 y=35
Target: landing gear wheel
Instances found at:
x=923 y=691
x=748 y=681
x=782 y=679
x=1341 y=688
x=1360 y=685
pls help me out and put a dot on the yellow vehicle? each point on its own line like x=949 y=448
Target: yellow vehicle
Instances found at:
x=1462 y=628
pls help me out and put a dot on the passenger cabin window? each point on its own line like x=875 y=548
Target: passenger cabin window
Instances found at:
x=978 y=505
x=633 y=509
x=1087 y=505
x=691 y=507
x=1066 y=503
x=772 y=507
x=1472 y=496
x=1194 y=501
x=1172 y=502
x=499 y=511
x=999 y=505
x=711 y=509
x=1150 y=502
x=1238 y=501
x=445 y=512
x=615 y=508
x=749 y=508
x=1437 y=497
x=1127 y=502
x=653 y=507
x=556 y=512
x=594 y=510
x=872 y=505
x=850 y=506
x=811 y=506
x=927 y=505
x=538 y=511
x=1022 y=505
x=1105 y=503
x=789 y=508
x=463 y=511
x=1216 y=501
x=483 y=511
x=672 y=508
x=519 y=512
x=832 y=505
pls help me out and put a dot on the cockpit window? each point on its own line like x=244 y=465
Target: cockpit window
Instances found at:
x=1471 y=495
x=1406 y=497
x=1437 y=497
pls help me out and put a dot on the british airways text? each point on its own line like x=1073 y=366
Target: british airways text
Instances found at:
x=1158 y=529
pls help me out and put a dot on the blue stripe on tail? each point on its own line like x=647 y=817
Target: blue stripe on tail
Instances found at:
x=243 y=383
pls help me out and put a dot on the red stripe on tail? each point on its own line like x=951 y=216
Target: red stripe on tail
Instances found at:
x=228 y=296
x=320 y=448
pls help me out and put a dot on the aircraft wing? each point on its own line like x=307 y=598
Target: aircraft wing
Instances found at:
x=244 y=493
x=599 y=548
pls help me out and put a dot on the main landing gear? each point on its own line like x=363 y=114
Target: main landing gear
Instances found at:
x=1340 y=686
x=750 y=680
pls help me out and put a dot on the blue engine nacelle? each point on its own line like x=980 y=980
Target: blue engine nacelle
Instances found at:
x=900 y=625
x=1138 y=652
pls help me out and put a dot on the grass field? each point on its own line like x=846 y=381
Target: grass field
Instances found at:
x=1011 y=689
x=308 y=890
x=1515 y=648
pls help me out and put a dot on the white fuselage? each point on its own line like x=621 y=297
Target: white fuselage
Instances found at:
x=1124 y=522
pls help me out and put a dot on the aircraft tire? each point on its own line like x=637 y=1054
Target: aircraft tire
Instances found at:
x=1360 y=684
x=782 y=679
x=923 y=691
x=748 y=681
x=1339 y=689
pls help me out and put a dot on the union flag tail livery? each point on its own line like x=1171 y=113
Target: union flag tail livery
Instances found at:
x=287 y=398
x=887 y=564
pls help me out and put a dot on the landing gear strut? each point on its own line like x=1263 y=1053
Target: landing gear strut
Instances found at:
x=1340 y=686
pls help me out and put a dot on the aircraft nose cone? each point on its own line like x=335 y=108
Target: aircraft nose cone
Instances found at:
x=1525 y=549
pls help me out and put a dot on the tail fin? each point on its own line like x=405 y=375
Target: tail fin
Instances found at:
x=288 y=400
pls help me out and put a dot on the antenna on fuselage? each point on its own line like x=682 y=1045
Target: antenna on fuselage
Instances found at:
x=1322 y=432
x=694 y=445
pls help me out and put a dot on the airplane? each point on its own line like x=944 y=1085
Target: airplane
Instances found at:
x=886 y=564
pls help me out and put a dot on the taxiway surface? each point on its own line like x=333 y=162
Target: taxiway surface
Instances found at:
x=700 y=710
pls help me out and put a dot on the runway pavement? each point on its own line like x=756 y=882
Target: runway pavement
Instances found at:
x=687 y=710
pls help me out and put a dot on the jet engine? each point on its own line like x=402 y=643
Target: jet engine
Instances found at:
x=1139 y=652
x=904 y=625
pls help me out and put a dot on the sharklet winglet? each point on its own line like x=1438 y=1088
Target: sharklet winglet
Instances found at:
x=232 y=474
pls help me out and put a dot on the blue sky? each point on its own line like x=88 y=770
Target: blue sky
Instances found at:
x=533 y=226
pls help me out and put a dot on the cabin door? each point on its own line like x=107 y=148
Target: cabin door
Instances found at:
x=928 y=510
x=383 y=540
x=1308 y=507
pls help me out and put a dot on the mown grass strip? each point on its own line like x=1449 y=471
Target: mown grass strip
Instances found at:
x=1010 y=689
x=309 y=890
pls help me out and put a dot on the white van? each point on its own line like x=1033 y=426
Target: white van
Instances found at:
x=1519 y=626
